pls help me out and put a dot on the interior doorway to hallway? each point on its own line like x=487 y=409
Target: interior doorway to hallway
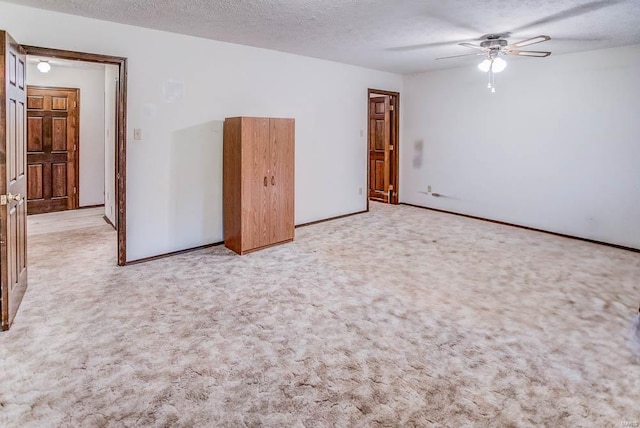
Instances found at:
x=383 y=137
x=114 y=166
x=118 y=154
x=71 y=110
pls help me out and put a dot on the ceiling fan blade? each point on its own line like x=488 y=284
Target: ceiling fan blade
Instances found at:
x=569 y=13
x=432 y=45
x=538 y=54
x=458 y=56
x=531 y=41
x=470 y=45
x=578 y=39
x=422 y=46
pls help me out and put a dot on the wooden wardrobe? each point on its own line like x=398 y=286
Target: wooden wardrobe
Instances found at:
x=258 y=175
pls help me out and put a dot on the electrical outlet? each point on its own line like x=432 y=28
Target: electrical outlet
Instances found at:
x=362 y=132
x=360 y=191
x=429 y=188
x=137 y=134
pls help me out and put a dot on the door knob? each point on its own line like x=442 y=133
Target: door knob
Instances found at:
x=17 y=197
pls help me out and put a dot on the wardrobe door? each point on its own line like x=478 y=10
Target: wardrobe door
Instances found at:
x=232 y=183
x=255 y=183
x=281 y=179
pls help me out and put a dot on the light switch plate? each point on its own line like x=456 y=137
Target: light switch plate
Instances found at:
x=137 y=134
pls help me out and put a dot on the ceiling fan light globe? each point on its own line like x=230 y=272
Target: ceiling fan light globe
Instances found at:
x=498 y=65
x=44 y=66
x=484 y=65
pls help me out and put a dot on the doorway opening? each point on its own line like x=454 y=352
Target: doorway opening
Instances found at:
x=383 y=147
x=114 y=165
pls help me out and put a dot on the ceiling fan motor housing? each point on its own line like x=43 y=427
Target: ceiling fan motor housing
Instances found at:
x=494 y=43
x=494 y=46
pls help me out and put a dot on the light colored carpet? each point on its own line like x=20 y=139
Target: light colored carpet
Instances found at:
x=398 y=317
x=61 y=221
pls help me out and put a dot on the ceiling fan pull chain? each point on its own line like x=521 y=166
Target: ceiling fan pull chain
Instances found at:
x=493 y=82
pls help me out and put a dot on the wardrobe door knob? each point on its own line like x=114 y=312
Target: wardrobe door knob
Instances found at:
x=273 y=180
x=265 y=182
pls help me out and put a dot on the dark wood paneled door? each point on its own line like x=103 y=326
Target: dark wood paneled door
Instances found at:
x=281 y=179
x=379 y=147
x=13 y=180
x=52 y=149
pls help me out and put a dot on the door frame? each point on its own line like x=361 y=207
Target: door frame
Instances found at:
x=76 y=153
x=121 y=130
x=394 y=178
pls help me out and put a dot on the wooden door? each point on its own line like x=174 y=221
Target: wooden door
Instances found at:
x=255 y=182
x=281 y=179
x=52 y=149
x=379 y=148
x=13 y=180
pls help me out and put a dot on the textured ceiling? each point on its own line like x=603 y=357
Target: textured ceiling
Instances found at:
x=402 y=36
x=63 y=63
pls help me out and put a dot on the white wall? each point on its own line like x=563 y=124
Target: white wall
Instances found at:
x=90 y=81
x=174 y=190
x=110 y=88
x=557 y=147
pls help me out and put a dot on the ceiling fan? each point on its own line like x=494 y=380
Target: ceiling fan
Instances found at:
x=562 y=15
x=493 y=46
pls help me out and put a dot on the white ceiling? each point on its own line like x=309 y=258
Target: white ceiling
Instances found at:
x=402 y=36
x=63 y=63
